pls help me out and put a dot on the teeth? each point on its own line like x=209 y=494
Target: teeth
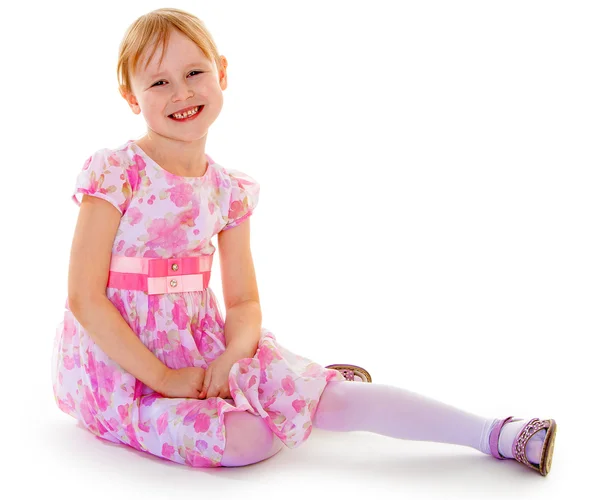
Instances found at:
x=187 y=113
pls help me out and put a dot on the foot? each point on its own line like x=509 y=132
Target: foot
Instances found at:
x=528 y=442
x=508 y=434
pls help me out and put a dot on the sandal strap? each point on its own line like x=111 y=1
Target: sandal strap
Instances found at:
x=351 y=371
x=495 y=438
x=533 y=426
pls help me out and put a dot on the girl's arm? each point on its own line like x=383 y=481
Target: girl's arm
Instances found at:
x=243 y=317
x=89 y=265
x=108 y=329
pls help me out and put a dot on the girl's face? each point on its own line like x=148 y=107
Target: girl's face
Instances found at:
x=185 y=79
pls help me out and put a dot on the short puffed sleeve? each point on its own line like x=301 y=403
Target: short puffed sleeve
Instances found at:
x=104 y=176
x=244 y=198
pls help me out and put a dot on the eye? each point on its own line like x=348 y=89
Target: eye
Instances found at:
x=193 y=71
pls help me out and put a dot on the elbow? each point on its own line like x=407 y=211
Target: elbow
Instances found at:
x=253 y=302
x=79 y=303
x=82 y=294
x=75 y=304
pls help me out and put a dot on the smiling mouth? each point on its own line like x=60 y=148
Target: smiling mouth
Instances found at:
x=197 y=109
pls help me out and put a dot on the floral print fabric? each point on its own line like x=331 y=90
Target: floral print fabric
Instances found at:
x=168 y=216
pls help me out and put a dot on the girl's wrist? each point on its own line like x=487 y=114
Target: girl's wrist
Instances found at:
x=162 y=380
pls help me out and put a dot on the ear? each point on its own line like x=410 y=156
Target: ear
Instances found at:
x=223 y=74
x=131 y=100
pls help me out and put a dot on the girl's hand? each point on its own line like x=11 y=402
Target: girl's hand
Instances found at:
x=183 y=382
x=216 y=381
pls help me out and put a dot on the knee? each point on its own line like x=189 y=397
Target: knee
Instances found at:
x=335 y=399
x=248 y=440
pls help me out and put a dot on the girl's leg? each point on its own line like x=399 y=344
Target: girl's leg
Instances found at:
x=398 y=413
x=248 y=440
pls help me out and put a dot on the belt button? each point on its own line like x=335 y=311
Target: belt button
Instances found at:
x=173 y=283
x=174 y=267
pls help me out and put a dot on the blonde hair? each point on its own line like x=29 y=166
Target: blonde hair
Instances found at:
x=154 y=28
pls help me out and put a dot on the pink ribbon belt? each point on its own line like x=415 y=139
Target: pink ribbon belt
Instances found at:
x=154 y=276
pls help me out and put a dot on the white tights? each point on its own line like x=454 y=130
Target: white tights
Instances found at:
x=392 y=411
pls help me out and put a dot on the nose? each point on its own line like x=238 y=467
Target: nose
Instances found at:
x=182 y=92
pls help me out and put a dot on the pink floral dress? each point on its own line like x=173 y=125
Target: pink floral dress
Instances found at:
x=169 y=216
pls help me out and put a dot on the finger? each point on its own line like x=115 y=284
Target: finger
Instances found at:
x=215 y=390
x=212 y=392
x=224 y=391
x=206 y=383
x=220 y=392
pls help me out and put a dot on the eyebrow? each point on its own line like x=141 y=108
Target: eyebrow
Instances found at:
x=197 y=63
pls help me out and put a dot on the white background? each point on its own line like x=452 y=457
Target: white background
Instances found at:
x=429 y=210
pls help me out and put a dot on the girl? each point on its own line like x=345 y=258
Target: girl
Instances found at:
x=143 y=356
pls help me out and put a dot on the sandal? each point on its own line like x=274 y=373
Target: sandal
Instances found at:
x=520 y=442
x=349 y=371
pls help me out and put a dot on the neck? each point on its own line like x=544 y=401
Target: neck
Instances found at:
x=178 y=157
